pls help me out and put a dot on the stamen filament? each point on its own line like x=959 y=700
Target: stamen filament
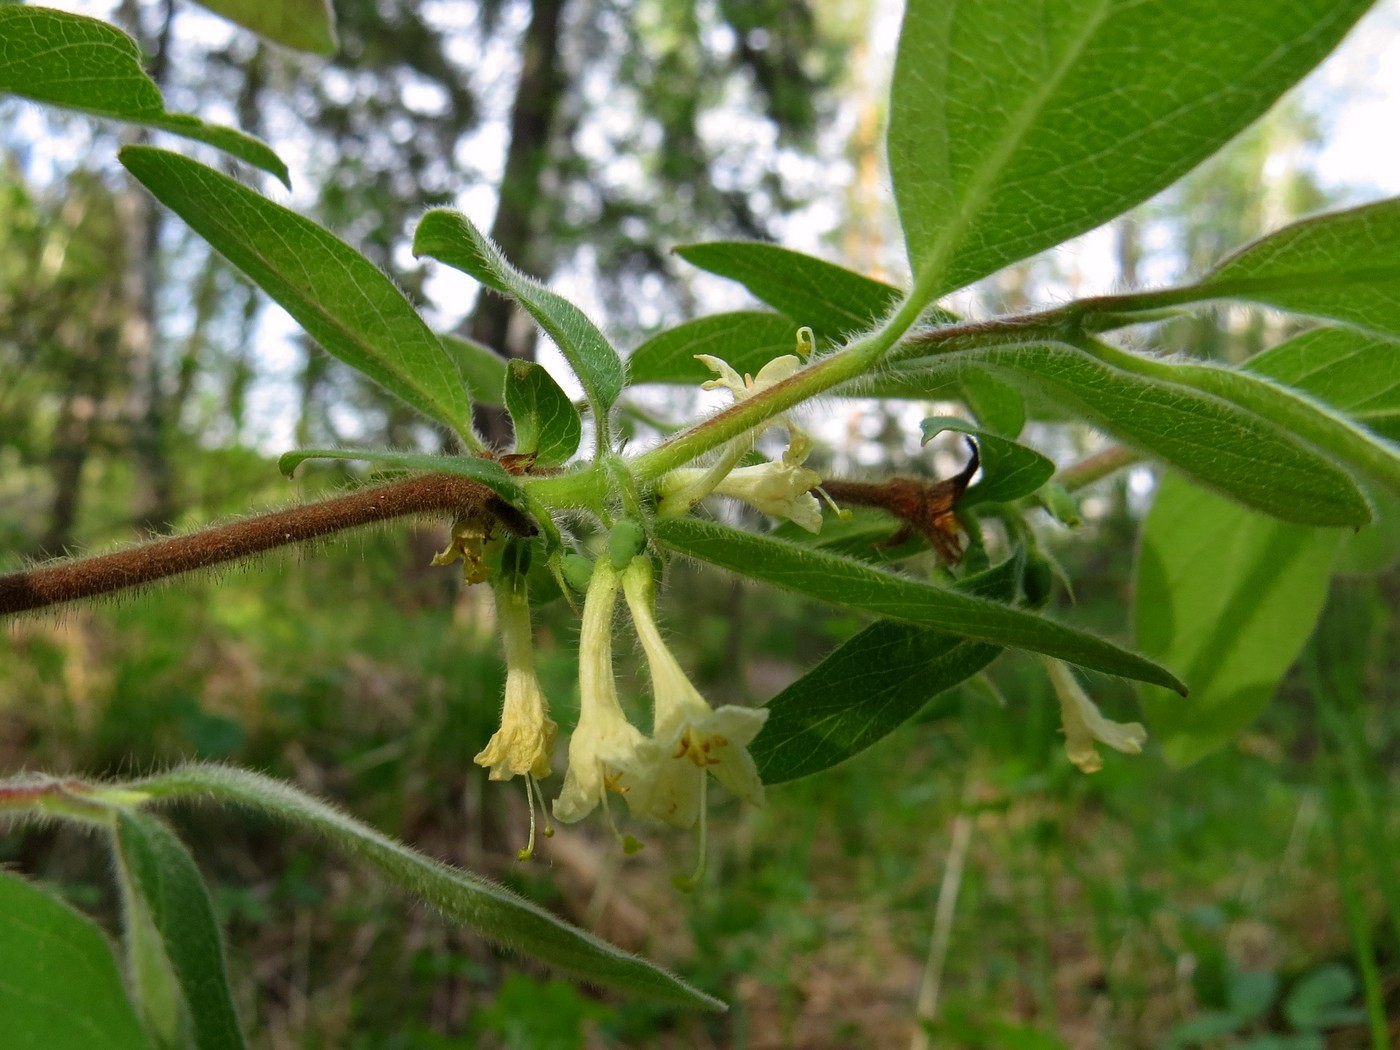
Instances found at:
x=528 y=851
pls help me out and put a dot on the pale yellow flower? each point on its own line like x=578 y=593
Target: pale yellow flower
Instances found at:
x=746 y=386
x=777 y=489
x=525 y=741
x=1084 y=723
x=603 y=749
x=742 y=387
x=781 y=489
x=689 y=739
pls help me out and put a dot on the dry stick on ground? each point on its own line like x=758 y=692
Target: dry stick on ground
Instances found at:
x=66 y=581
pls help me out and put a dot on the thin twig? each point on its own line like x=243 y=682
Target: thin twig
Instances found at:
x=1096 y=467
x=66 y=581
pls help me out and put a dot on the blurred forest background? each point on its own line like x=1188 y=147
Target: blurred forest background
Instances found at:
x=145 y=386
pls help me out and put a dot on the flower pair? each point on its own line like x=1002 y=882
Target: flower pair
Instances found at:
x=782 y=488
x=662 y=776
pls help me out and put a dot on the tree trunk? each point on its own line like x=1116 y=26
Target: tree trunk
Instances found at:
x=154 y=510
x=519 y=225
x=73 y=434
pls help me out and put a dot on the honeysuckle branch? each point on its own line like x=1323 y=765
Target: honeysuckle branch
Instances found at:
x=1096 y=467
x=584 y=487
x=1053 y=326
x=594 y=486
x=891 y=344
x=847 y=364
x=66 y=581
x=42 y=795
x=1071 y=321
x=1066 y=324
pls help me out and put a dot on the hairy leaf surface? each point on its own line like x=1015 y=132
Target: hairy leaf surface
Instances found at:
x=59 y=984
x=341 y=298
x=1015 y=127
x=171 y=890
x=1332 y=432
x=546 y=422
x=491 y=910
x=1220 y=444
x=1344 y=266
x=1347 y=369
x=1233 y=595
x=841 y=581
x=85 y=64
x=1359 y=374
x=449 y=237
x=870 y=686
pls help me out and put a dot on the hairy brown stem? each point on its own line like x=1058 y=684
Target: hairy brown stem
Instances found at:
x=68 y=581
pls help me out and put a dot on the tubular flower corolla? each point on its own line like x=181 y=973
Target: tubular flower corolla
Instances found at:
x=690 y=739
x=603 y=749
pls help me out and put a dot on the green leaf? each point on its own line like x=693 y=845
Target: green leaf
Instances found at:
x=304 y=25
x=59 y=984
x=842 y=581
x=1204 y=1027
x=546 y=421
x=1356 y=373
x=1330 y=431
x=1349 y=370
x=489 y=909
x=747 y=339
x=488 y=472
x=85 y=64
x=1229 y=597
x=863 y=535
x=1343 y=265
x=1320 y=999
x=998 y=406
x=341 y=298
x=1009 y=470
x=171 y=890
x=1215 y=442
x=1060 y=505
x=449 y=237
x=1251 y=993
x=834 y=302
x=483 y=370
x=869 y=687
x=1015 y=128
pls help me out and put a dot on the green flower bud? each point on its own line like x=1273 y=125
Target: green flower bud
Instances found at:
x=1037 y=580
x=577 y=570
x=625 y=542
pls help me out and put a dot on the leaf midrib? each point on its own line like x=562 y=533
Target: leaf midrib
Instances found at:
x=329 y=318
x=978 y=190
